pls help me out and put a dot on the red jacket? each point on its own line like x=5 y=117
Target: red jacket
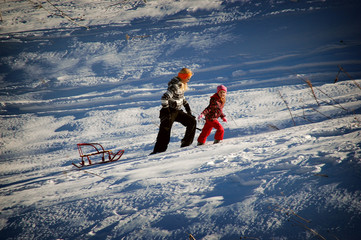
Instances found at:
x=214 y=109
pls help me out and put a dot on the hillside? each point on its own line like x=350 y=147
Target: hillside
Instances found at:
x=289 y=167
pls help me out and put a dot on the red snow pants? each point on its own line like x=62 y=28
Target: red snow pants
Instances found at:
x=207 y=128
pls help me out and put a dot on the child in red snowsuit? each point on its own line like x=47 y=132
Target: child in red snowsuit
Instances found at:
x=211 y=114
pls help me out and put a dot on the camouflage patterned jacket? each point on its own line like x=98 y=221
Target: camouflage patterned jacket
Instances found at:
x=214 y=109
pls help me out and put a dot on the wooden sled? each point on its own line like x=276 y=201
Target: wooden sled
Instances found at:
x=97 y=152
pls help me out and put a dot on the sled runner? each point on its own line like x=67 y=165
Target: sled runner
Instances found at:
x=98 y=154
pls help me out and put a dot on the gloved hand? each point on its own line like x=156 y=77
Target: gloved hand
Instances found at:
x=224 y=119
x=188 y=109
x=200 y=116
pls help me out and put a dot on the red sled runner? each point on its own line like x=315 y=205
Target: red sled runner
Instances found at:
x=97 y=152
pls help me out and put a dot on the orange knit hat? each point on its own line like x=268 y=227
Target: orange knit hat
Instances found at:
x=185 y=73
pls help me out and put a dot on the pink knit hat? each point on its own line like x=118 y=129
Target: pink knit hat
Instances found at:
x=221 y=87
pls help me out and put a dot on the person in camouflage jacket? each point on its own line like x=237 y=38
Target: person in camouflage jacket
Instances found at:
x=211 y=114
x=172 y=102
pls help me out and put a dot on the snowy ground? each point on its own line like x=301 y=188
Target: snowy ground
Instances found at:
x=289 y=167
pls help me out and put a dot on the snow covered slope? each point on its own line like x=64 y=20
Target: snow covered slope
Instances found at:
x=289 y=167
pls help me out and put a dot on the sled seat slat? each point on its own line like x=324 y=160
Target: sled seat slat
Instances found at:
x=95 y=153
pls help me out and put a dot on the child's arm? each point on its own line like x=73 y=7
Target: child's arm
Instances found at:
x=211 y=109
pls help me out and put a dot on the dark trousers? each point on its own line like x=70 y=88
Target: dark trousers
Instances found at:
x=167 y=119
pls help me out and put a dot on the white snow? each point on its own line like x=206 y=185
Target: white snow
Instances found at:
x=280 y=171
